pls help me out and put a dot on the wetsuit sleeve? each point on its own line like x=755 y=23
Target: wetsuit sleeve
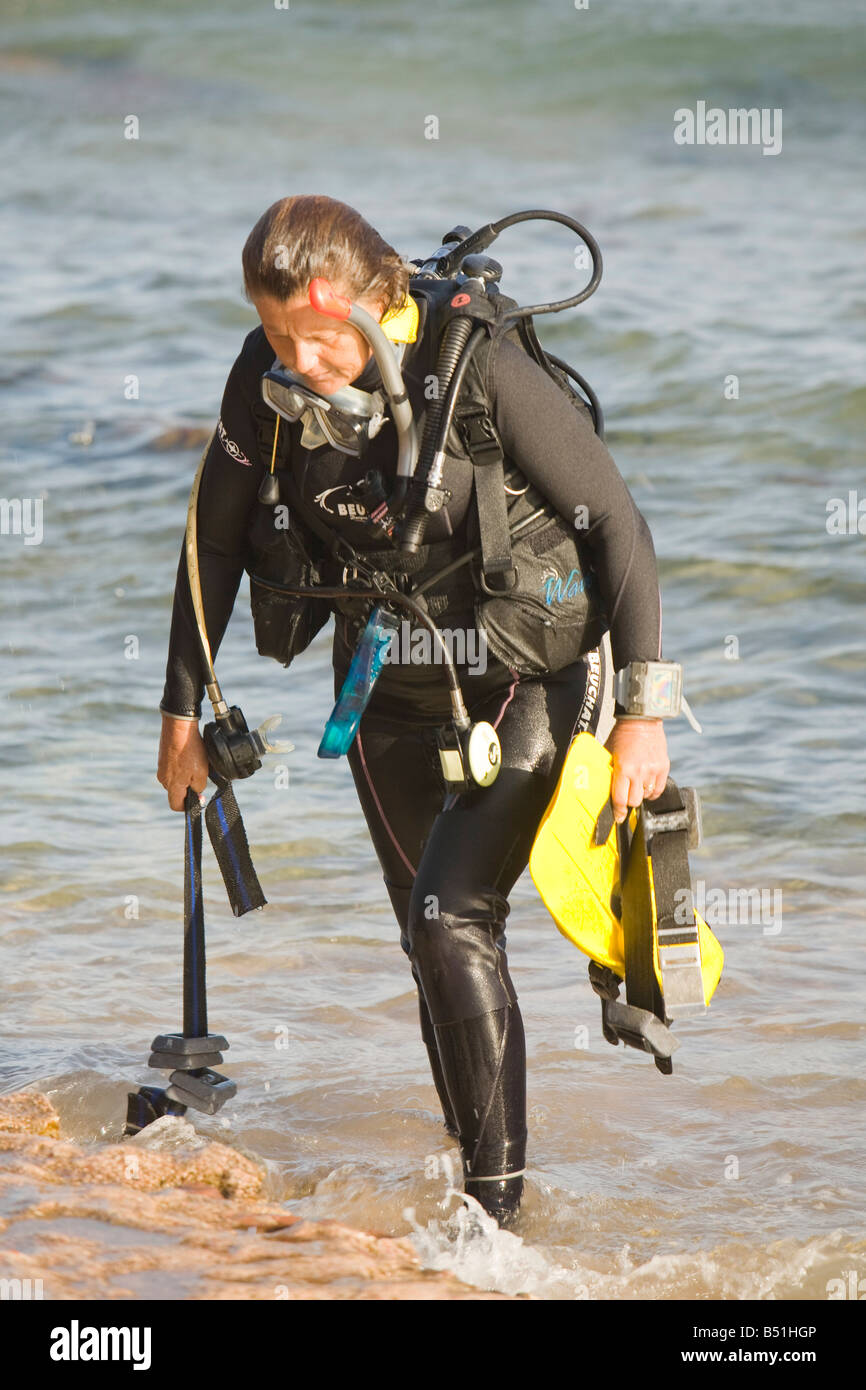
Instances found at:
x=227 y=494
x=556 y=448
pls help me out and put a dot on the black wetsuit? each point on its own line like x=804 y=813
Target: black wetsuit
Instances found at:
x=449 y=862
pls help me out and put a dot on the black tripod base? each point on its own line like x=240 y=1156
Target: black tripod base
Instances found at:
x=191 y=1085
x=203 y=1090
x=172 y=1051
x=146 y=1105
x=192 y=1082
x=191 y=1055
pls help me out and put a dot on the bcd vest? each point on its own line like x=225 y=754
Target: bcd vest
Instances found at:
x=549 y=616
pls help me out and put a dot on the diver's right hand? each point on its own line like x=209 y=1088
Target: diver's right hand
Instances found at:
x=182 y=760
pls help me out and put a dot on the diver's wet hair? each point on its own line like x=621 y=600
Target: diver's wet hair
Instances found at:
x=308 y=235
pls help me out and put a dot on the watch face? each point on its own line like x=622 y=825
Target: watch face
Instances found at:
x=660 y=690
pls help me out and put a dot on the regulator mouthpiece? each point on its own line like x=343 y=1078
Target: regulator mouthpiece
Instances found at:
x=263 y=735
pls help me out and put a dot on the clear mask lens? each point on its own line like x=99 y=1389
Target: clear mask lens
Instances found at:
x=282 y=398
x=346 y=420
x=345 y=434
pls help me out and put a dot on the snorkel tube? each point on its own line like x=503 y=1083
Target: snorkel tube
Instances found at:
x=458 y=260
x=326 y=301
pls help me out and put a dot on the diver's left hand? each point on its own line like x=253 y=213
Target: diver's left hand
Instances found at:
x=640 y=763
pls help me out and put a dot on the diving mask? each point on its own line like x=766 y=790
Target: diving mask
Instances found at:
x=347 y=420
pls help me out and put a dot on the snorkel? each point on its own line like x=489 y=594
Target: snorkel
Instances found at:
x=326 y=301
x=419 y=487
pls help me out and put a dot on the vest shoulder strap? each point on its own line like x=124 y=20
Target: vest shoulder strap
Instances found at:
x=473 y=418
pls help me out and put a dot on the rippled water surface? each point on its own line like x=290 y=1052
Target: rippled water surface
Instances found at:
x=741 y=1174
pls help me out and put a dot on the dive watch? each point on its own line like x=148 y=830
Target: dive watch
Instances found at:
x=651 y=690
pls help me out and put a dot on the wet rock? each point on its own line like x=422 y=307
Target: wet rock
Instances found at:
x=216 y=1166
x=126 y=1221
x=26 y=1113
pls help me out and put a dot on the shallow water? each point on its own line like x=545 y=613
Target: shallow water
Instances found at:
x=738 y=1176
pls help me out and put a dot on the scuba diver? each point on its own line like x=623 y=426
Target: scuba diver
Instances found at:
x=456 y=471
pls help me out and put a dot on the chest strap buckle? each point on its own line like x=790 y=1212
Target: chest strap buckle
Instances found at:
x=478 y=435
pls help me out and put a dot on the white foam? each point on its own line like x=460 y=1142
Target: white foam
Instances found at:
x=470 y=1244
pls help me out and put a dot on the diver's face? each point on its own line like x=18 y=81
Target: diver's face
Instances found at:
x=326 y=352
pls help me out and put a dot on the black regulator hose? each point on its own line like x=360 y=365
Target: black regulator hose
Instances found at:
x=592 y=398
x=486 y=235
x=431 y=498
x=454 y=341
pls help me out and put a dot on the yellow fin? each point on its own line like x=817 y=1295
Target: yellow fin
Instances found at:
x=579 y=881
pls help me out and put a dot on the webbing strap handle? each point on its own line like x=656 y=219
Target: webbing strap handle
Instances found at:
x=225 y=827
x=679 y=948
x=641 y=985
x=482 y=444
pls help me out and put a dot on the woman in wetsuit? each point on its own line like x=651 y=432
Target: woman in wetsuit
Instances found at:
x=449 y=862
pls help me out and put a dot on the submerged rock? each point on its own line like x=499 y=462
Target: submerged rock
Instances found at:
x=125 y=1221
x=181 y=437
